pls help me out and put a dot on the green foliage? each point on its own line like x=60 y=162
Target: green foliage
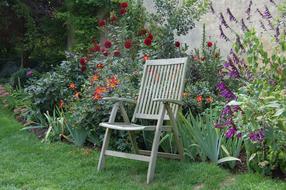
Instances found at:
x=199 y=132
x=200 y=90
x=262 y=99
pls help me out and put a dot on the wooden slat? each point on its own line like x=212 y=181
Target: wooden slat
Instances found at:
x=127 y=155
x=147 y=89
x=160 y=154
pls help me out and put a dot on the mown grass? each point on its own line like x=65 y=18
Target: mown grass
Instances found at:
x=26 y=163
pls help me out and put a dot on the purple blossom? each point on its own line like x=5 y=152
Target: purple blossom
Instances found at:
x=219 y=126
x=223 y=22
x=222 y=34
x=248 y=11
x=225 y=92
x=231 y=17
x=243 y=26
x=262 y=25
x=29 y=73
x=273 y=2
x=230 y=132
x=270 y=25
x=235 y=57
x=226 y=111
x=238 y=42
x=257 y=136
x=261 y=14
x=232 y=70
x=266 y=13
x=277 y=34
x=239 y=135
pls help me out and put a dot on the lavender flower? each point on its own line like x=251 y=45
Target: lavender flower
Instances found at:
x=261 y=14
x=232 y=70
x=262 y=25
x=223 y=22
x=248 y=11
x=231 y=17
x=226 y=111
x=243 y=26
x=266 y=13
x=277 y=34
x=235 y=57
x=225 y=92
x=222 y=34
x=270 y=25
x=257 y=136
x=238 y=42
x=273 y=2
x=230 y=132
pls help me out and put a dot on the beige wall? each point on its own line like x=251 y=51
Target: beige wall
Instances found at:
x=238 y=8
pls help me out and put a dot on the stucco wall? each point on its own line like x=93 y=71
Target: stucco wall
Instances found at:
x=238 y=8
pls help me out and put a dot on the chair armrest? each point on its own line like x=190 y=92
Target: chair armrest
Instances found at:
x=117 y=99
x=178 y=102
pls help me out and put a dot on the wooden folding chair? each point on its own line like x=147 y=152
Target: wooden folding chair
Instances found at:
x=159 y=99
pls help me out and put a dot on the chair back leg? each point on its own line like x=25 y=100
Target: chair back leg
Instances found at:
x=155 y=146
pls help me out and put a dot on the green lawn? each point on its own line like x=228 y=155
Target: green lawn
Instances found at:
x=26 y=163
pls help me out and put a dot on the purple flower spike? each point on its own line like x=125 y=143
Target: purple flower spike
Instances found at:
x=235 y=57
x=257 y=136
x=223 y=22
x=248 y=11
x=261 y=14
x=226 y=111
x=262 y=26
x=231 y=17
x=226 y=92
x=230 y=132
x=267 y=14
x=270 y=24
x=238 y=42
x=273 y=2
x=277 y=34
x=222 y=34
x=243 y=26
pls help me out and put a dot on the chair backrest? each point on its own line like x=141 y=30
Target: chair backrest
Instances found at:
x=162 y=78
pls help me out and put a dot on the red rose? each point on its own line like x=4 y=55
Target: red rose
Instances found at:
x=122 y=11
x=101 y=23
x=177 y=44
x=210 y=44
x=83 y=68
x=107 y=44
x=150 y=36
x=83 y=61
x=116 y=53
x=148 y=41
x=99 y=65
x=128 y=44
x=124 y=5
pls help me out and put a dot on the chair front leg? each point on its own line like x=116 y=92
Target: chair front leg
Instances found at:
x=155 y=146
x=104 y=147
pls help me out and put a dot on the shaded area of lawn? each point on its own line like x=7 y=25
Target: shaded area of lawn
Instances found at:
x=26 y=163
